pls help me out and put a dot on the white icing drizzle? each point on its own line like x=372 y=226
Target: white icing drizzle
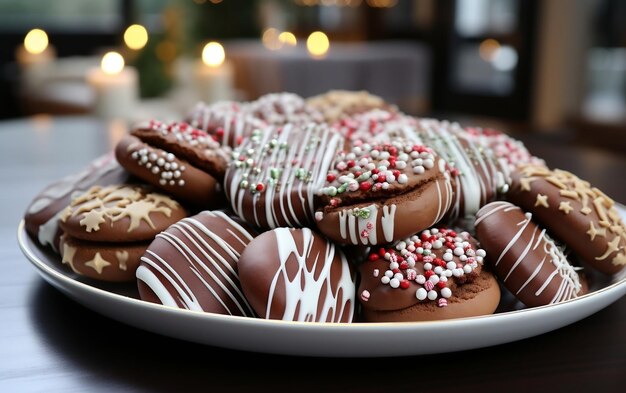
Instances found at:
x=348 y=222
x=569 y=285
x=304 y=291
x=210 y=265
x=388 y=221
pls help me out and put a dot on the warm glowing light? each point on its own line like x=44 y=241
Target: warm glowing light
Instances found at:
x=136 y=37
x=112 y=63
x=36 y=41
x=213 y=54
x=317 y=44
x=270 y=39
x=488 y=49
x=288 y=38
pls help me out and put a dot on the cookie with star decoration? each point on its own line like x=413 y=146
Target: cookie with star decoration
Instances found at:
x=575 y=212
x=107 y=229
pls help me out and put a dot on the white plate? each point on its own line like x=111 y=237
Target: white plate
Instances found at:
x=318 y=339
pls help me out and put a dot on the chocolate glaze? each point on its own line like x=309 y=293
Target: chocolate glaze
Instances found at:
x=193 y=265
x=296 y=274
x=523 y=257
x=193 y=186
x=41 y=217
x=579 y=215
x=119 y=213
x=187 y=143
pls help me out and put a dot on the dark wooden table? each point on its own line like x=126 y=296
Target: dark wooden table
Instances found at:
x=49 y=343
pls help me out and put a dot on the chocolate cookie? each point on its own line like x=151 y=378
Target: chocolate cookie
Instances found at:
x=272 y=179
x=107 y=229
x=193 y=265
x=579 y=215
x=524 y=257
x=119 y=213
x=42 y=215
x=436 y=274
x=182 y=160
x=341 y=104
x=379 y=193
x=297 y=275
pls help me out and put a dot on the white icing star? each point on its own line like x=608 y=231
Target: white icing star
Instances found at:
x=97 y=263
x=92 y=220
x=542 y=200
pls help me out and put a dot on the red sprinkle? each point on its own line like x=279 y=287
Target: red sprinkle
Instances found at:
x=373 y=257
x=382 y=252
x=428 y=273
x=365 y=186
x=330 y=178
x=404 y=284
x=351 y=164
x=441 y=284
x=260 y=187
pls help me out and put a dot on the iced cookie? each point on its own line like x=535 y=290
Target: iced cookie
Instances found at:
x=340 y=104
x=377 y=193
x=297 y=275
x=579 y=215
x=525 y=259
x=435 y=274
x=193 y=265
x=108 y=228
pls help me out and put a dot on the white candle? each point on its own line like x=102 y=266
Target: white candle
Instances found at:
x=214 y=75
x=115 y=87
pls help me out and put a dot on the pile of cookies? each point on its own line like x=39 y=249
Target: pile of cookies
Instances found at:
x=336 y=208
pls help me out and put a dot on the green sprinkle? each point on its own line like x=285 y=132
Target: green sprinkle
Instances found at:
x=342 y=188
x=361 y=213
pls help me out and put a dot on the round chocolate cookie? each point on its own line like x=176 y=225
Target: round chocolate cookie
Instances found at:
x=107 y=229
x=579 y=215
x=115 y=262
x=340 y=104
x=272 y=179
x=436 y=274
x=164 y=170
x=42 y=215
x=182 y=160
x=119 y=213
x=379 y=193
x=193 y=265
x=523 y=256
x=297 y=275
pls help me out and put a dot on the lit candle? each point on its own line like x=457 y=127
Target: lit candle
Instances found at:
x=214 y=75
x=36 y=50
x=115 y=87
x=318 y=44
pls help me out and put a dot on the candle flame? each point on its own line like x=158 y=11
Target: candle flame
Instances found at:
x=288 y=38
x=36 y=41
x=136 y=37
x=213 y=54
x=112 y=63
x=271 y=39
x=318 y=44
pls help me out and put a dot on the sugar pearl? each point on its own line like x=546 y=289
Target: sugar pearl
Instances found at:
x=446 y=292
x=418 y=170
x=447 y=257
x=389 y=273
x=394 y=283
x=467 y=269
x=421 y=294
x=398 y=276
x=376 y=272
x=420 y=279
x=481 y=253
x=432 y=295
x=450 y=265
x=428 y=266
x=459 y=251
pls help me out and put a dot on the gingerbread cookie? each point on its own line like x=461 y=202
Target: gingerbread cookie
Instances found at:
x=274 y=176
x=42 y=215
x=378 y=193
x=284 y=108
x=432 y=275
x=524 y=257
x=193 y=265
x=297 y=275
x=579 y=215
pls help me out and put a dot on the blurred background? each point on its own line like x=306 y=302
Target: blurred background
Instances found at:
x=556 y=67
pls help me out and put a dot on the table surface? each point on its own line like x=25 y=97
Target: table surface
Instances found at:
x=49 y=343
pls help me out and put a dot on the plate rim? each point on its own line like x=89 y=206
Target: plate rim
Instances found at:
x=62 y=279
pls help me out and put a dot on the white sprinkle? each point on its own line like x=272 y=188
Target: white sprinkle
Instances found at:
x=432 y=294
x=385 y=280
x=394 y=283
x=467 y=269
x=450 y=265
x=446 y=292
x=403 y=179
x=418 y=169
x=420 y=279
x=376 y=272
x=398 y=276
x=459 y=251
x=394 y=265
x=421 y=294
x=481 y=253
